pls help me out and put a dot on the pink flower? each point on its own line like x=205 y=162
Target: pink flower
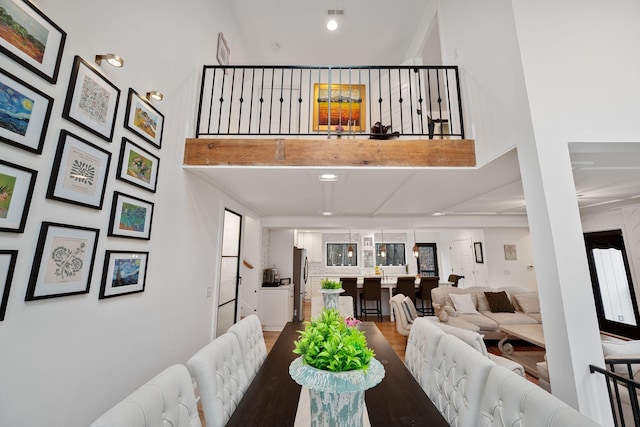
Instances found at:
x=351 y=321
x=339 y=129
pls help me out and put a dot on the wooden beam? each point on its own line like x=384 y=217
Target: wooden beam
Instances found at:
x=329 y=152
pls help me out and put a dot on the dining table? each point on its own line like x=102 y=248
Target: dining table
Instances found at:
x=272 y=397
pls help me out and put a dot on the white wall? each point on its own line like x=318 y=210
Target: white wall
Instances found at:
x=520 y=272
x=66 y=360
x=281 y=252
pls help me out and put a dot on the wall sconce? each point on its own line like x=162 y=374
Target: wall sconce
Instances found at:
x=155 y=95
x=111 y=58
x=350 y=248
x=383 y=248
x=416 y=251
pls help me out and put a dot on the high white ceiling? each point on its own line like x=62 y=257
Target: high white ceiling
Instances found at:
x=376 y=32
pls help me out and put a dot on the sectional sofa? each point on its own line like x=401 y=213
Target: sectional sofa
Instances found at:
x=471 y=305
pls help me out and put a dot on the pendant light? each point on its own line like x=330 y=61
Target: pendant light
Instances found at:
x=350 y=248
x=416 y=251
x=383 y=249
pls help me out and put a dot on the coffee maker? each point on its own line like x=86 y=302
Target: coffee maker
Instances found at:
x=270 y=277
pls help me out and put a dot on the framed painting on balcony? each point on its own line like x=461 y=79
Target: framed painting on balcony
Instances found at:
x=346 y=102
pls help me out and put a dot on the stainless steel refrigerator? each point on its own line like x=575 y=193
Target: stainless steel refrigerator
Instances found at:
x=300 y=275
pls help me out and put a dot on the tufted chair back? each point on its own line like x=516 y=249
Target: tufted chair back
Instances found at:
x=510 y=400
x=458 y=380
x=252 y=346
x=167 y=400
x=421 y=347
x=220 y=372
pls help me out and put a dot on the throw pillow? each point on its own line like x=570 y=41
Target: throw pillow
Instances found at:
x=407 y=311
x=529 y=303
x=463 y=303
x=499 y=302
x=412 y=307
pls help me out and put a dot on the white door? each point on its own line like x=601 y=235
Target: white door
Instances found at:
x=462 y=262
x=229 y=272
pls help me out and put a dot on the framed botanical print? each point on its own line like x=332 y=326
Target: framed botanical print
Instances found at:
x=130 y=217
x=79 y=173
x=16 y=189
x=477 y=250
x=124 y=272
x=30 y=38
x=92 y=100
x=137 y=166
x=143 y=119
x=63 y=262
x=7 y=265
x=24 y=113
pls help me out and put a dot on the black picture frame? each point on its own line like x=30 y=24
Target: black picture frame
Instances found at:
x=63 y=262
x=79 y=173
x=477 y=250
x=131 y=217
x=28 y=129
x=113 y=283
x=16 y=189
x=92 y=100
x=7 y=267
x=138 y=166
x=40 y=56
x=144 y=119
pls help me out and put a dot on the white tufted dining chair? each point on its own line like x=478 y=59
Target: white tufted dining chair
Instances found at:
x=458 y=379
x=220 y=372
x=252 y=346
x=421 y=346
x=510 y=400
x=165 y=400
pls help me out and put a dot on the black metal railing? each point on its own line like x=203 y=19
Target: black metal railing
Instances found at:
x=622 y=390
x=411 y=101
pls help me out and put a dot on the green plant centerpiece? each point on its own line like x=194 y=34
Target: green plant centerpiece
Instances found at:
x=337 y=366
x=330 y=290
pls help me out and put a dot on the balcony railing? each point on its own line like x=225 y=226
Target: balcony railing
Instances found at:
x=623 y=390
x=252 y=101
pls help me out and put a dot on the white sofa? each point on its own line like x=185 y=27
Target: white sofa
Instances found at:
x=472 y=391
x=525 y=302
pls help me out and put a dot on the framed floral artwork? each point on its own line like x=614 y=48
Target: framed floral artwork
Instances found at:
x=130 y=217
x=79 y=173
x=137 y=166
x=63 y=262
x=24 y=113
x=144 y=119
x=92 y=100
x=7 y=265
x=16 y=189
x=124 y=272
x=30 y=38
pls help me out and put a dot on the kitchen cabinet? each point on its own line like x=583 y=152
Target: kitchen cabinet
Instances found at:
x=312 y=242
x=275 y=307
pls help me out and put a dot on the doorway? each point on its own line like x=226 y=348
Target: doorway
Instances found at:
x=613 y=291
x=229 y=272
x=462 y=262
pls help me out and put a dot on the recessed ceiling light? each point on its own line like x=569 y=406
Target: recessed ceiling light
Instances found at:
x=437 y=214
x=327 y=213
x=328 y=177
x=332 y=25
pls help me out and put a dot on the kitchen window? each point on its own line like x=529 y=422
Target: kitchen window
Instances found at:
x=395 y=254
x=338 y=256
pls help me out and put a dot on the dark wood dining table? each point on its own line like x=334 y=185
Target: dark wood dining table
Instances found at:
x=272 y=397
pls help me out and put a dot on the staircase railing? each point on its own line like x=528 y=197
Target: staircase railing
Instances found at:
x=378 y=101
x=622 y=390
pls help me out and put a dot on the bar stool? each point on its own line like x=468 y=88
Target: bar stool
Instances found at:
x=350 y=286
x=426 y=285
x=406 y=285
x=371 y=291
x=454 y=279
